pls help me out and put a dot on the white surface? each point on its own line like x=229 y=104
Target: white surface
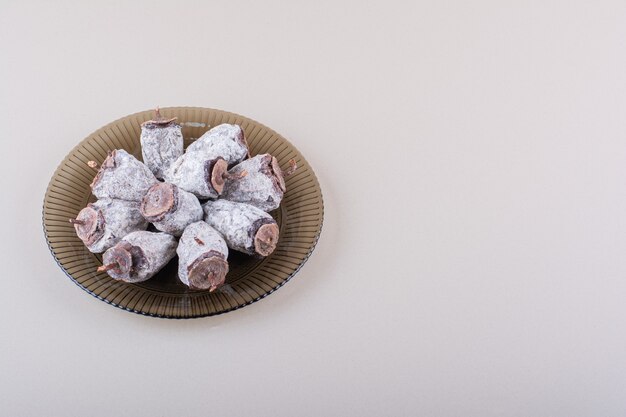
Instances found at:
x=481 y=273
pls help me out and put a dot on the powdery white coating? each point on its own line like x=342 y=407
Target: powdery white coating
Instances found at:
x=188 y=210
x=257 y=188
x=120 y=218
x=161 y=146
x=235 y=221
x=122 y=176
x=158 y=249
x=189 y=249
x=225 y=140
x=189 y=173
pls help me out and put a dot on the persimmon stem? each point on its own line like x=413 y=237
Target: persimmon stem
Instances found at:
x=292 y=168
x=107 y=267
x=233 y=176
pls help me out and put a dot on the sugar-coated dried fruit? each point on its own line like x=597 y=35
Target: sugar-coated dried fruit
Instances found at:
x=102 y=224
x=202 y=254
x=226 y=140
x=121 y=176
x=170 y=209
x=264 y=184
x=201 y=174
x=139 y=256
x=164 y=191
x=244 y=227
x=161 y=143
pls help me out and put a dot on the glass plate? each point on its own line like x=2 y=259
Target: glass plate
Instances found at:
x=299 y=217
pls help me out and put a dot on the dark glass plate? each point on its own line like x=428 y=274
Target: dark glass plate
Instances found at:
x=299 y=217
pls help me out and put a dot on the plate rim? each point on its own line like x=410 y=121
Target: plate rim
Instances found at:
x=168 y=316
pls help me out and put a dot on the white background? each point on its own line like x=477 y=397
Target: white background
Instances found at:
x=472 y=157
